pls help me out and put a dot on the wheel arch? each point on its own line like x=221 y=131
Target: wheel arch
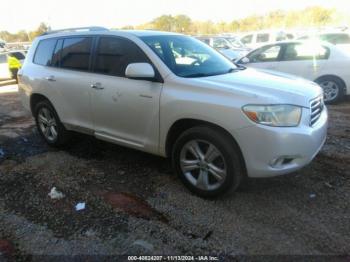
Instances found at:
x=35 y=98
x=181 y=125
x=333 y=76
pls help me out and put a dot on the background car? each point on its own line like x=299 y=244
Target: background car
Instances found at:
x=257 y=39
x=10 y=62
x=341 y=39
x=230 y=47
x=320 y=62
x=2 y=45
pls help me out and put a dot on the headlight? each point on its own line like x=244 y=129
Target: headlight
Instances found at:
x=274 y=115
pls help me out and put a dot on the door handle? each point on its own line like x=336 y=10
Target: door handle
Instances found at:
x=50 y=78
x=97 y=86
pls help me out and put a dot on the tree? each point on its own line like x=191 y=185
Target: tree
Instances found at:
x=182 y=23
x=164 y=23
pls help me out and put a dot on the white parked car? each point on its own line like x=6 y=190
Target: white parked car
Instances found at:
x=216 y=121
x=4 y=68
x=260 y=38
x=340 y=39
x=5 y=72
x=230 y=47
x=320 y=62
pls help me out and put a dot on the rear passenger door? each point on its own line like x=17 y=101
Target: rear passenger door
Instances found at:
x=67 y=81
x=304 y=59
x=125 y=111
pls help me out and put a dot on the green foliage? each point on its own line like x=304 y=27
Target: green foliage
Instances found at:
x=23 y=36
x=311 y=16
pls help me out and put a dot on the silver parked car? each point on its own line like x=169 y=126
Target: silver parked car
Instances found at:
x=231 y=47
x=173 y=96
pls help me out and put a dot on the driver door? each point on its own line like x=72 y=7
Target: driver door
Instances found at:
x=125 y=111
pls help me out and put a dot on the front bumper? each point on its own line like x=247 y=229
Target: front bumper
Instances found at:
x=271 y=151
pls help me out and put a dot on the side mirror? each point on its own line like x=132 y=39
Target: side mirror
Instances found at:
x=142 y=71
x=245 y=60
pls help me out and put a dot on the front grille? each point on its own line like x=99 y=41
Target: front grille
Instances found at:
x=316 y=107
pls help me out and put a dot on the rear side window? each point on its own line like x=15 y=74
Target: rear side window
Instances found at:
x=17 y=55
x=305 y=52
x=262 y=38
x=44 y=52
x=115 y=54
x=56 y=57
x=75 y=53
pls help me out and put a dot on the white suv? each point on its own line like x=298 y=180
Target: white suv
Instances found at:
x=173 y=96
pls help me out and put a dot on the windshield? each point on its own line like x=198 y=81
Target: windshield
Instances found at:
x=235 y=42
x=188 y=57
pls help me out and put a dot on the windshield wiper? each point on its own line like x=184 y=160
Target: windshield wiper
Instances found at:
x=198 y=75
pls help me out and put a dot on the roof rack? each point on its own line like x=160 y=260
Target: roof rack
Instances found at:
x=76 y=29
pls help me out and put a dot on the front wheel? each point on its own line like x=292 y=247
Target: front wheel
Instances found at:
x=207 y=161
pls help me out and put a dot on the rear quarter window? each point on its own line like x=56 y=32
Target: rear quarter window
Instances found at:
x=43 y=53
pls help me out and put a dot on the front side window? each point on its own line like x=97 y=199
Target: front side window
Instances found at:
x=265 y=54
x=247 y=39
x=44 y=52
x=307 y=51
x=75 y=53
x=188 y=57
x=220 y=43
x=262 y=38
x=115 y=54
x=235 y=42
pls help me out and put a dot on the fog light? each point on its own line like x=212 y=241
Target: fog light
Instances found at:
x=282 y=161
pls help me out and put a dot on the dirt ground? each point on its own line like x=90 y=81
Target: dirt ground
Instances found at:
x=135 y=205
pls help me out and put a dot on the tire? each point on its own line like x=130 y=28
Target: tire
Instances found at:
x=55 y=134
x=333 y=89
x=201 y=172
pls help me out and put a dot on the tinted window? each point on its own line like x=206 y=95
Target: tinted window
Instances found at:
x=247 y=39
x=261 y=38
x=220 y=43
x=336 y=38
x=115 y=54
x=305 y=52
x=17 y=55
x=56 y=57
x=75 y=53
x=44 y=52
x=265 y=54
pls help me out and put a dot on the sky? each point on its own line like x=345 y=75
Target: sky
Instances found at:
x=27 y=14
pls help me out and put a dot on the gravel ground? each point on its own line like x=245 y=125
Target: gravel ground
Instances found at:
x=135 y=205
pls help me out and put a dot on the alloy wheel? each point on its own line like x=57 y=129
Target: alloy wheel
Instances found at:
x=203 y=165
x=47 y=124
x=330 y=90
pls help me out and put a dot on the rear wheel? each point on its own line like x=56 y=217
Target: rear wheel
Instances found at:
x=49 y=125
x=207 y=161
x=333 y=89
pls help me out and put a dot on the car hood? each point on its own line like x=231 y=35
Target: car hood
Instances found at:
x=265 y=86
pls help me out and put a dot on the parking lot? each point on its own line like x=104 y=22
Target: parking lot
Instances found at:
x=135 y=205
